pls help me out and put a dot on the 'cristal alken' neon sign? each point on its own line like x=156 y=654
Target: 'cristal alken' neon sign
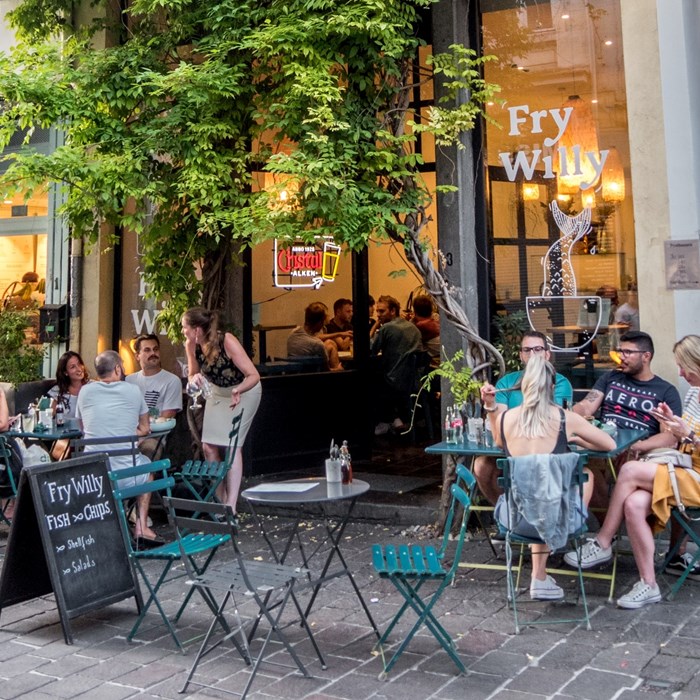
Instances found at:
x=305 y=264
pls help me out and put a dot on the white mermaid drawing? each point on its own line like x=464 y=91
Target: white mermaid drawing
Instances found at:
x=559 y=286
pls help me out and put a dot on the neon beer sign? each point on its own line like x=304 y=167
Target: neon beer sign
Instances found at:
x=305 y=264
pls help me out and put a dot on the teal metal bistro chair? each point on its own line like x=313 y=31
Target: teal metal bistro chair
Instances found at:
x=8 y=481
x=202 y=478
x=571 y=497
x=409 y=568
x=689 y=520
x=190 y=549
x=267 y=586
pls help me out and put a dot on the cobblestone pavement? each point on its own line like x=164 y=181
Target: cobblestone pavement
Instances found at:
x=629 y=654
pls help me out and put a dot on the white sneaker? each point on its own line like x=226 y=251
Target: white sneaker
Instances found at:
x=381 y=429
x=545 y=590
x=641 y=594
x=592 y=554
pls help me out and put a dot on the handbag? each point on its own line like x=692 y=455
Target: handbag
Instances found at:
x=667 y=455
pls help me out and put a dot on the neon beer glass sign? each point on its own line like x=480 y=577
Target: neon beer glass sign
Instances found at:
x=304 y=265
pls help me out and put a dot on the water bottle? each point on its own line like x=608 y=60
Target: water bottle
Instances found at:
x=345 y=463
x=449 y=427
x=457 y=424
x=488 y=434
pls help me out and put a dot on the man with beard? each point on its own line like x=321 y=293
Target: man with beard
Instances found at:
x=627 y=396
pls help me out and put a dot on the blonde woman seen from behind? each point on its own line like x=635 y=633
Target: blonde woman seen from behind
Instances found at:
x=222 y=360
x=540 y=426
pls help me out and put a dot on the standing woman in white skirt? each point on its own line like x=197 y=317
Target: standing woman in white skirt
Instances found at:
x=235 y=383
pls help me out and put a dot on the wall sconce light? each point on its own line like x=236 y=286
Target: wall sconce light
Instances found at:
x=613 y=177
x=588 y=198
x=531 y=192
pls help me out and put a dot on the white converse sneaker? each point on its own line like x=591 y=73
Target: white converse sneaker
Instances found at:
x=592 y=554
x=545 y=590
x=641 y=594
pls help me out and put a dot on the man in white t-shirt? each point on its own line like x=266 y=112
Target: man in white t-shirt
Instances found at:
x=161 y=389
x=110 y=407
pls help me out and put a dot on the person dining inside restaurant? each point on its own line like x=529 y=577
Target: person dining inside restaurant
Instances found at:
x=339 y=328
x=305 y=340
x=395 y=341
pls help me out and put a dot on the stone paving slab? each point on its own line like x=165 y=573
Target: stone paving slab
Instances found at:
x=628 y=655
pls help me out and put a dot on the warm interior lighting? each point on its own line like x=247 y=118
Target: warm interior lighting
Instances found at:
x=565 y=16
x=531 y=192
x=608 y=43
x=613 y=177
x=564 y=197
x=615 y=357
x=580 y=133
x=588 y=198
x=284 y=195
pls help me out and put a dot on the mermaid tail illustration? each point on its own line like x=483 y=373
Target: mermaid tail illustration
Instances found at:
x=559 y=277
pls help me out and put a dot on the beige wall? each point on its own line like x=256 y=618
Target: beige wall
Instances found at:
x=649 y=184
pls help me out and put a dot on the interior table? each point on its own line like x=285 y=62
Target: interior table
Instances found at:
x=297 y=493
x=624 y=439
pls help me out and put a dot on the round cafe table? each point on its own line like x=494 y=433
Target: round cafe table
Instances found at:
x=295 y=494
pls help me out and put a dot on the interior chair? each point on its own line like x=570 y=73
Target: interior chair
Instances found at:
x=264 y=587
x=572 y=494
x=690 y=524
x=409 y=567
x=196 y=551
x=8 y=481
x=201 y=478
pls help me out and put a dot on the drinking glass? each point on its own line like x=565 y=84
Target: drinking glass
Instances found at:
x=206 y=391
x=195 y=391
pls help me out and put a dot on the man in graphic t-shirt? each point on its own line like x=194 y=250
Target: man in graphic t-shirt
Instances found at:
x=626 y=397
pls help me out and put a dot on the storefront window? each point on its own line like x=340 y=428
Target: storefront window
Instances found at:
x=558 y=171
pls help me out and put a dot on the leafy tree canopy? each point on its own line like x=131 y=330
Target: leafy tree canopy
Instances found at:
x=168 y=128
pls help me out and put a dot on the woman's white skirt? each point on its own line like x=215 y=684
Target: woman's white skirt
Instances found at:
x=218 y=414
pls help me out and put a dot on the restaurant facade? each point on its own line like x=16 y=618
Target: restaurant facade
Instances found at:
x=576 y=204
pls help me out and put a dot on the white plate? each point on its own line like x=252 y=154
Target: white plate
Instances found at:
x=162 y=426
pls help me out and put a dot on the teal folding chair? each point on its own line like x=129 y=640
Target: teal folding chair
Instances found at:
x=8 y=483
x=269 y=585
x=189 y=549
x=410 y=567
x=575 y=539
x=689 y=520
x=202 y=478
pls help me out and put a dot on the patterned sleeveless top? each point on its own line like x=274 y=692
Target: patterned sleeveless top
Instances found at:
x=222 y=372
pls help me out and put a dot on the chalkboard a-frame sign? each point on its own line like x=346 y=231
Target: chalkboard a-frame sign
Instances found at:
x=67 y=539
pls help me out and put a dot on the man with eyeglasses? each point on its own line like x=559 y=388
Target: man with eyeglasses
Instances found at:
x=626 y=396
x=509 y=396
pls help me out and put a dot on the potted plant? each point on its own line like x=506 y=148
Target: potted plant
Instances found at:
x=20 y=359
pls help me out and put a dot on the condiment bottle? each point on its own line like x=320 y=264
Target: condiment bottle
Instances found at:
x=59 y=414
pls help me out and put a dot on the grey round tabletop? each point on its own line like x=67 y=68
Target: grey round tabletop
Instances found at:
x=320 y=492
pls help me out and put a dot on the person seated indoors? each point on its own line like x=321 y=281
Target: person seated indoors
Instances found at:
x=508 y=395
x=627 y=397
x=395 y=341
x=305 y=340
x=538 y=426
x=428 y=323
x=339 y=328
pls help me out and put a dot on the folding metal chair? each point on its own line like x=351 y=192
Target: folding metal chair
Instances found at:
x=575 y=539
x=8 y=485
x=203 y=478
x=410 y=567
x=185 y=549
x=689 y=520
x=267 y=586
